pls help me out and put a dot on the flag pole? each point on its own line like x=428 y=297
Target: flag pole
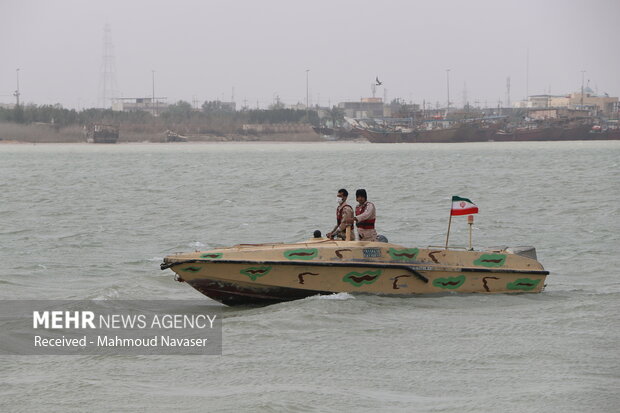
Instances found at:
x=449 y=223
x=470 y=221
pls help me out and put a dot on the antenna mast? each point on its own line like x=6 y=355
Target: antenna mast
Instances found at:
x=107 y=82
x=508 y=92
x=527 y=74
x=582 y=73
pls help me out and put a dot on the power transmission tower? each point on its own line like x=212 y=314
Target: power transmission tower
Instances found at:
x=108 y=88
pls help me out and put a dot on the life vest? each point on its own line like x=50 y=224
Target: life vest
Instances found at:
x=370 y=222
x=339 y=211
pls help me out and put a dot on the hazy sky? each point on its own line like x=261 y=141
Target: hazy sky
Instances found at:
x=202 y=50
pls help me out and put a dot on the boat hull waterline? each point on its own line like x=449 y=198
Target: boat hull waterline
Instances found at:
x=271 y=273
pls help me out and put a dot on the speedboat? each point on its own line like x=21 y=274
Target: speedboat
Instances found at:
x=249 y=274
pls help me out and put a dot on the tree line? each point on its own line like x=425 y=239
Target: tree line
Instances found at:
x=214 y=116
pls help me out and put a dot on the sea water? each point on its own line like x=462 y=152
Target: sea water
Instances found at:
x=85 y=222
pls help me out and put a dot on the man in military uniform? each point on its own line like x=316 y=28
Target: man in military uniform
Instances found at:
x=366 y=215
x=344 y=218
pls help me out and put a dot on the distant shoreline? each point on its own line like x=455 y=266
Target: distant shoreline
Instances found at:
x=40 y=133
x=146 y=143
x=48 y=133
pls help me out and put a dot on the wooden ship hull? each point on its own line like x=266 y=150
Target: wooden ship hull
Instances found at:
x=431 y=135
x=271 y=273
x=533 y=134
x=583 y=132
x=608 y=134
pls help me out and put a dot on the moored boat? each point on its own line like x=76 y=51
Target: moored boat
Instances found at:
x=603 y=133
x=410 y=135
x=529 y=133
x=558 y=132
x=270 y=273
x=477 y=131
x=175 y=137
x=101 y=133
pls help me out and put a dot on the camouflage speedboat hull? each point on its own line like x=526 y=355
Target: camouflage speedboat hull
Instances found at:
x=270 y=273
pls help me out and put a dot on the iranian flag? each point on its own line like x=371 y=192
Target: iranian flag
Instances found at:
x=462 y=206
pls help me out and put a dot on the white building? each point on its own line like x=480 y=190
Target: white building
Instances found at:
x=605 y=104
x=155 y=107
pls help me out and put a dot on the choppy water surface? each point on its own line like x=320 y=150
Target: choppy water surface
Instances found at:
x=93 y=222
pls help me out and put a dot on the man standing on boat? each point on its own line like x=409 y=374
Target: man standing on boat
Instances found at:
x=366 y=215
x=344 y=217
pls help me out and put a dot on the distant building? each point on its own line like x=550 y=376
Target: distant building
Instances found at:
x=140 y=105
x=544 y=101
x=540 y=101
x=556 y=113
x=542 y=114
x=604 y=105
x=559 y=101
x=365 y=108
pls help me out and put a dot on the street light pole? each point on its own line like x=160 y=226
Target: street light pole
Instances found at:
x=582 y=73
x=448 y=82
x=16 y=94
x=153 y=102
x=307 y=102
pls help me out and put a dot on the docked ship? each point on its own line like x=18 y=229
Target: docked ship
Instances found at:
x=270 y=273
x=410 y=136
x=598 y=132
x=431 y=131
x=478 y=130
x=526 y=133
x=548 y=125
x=438 y=131
x=551 y=132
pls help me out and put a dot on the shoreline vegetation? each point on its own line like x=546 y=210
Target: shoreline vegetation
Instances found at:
x=214 y=123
